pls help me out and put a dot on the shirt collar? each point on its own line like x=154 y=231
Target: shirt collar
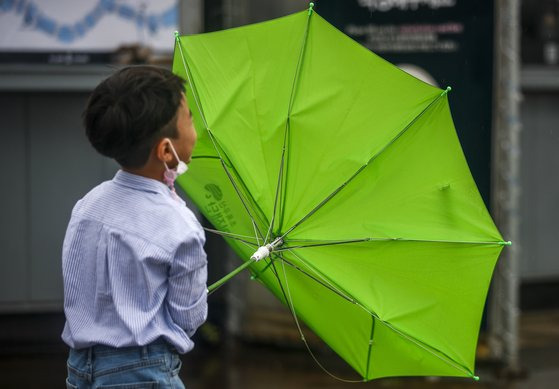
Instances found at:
x=135 y=181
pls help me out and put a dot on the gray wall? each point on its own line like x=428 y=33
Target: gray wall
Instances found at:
x=46 y=166
x=539 y=206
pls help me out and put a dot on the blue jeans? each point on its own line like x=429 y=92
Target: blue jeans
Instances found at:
x=156 y=365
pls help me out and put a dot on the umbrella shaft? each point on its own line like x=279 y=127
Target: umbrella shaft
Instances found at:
x=223 y=280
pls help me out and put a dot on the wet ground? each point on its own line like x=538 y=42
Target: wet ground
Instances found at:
x=238 y=364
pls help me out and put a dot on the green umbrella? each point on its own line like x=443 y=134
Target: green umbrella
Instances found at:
x=348 y=174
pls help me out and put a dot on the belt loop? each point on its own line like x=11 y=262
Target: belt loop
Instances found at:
x=145 y=352
x=89 y=365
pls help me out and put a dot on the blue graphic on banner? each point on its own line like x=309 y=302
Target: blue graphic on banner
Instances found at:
x=33 y=17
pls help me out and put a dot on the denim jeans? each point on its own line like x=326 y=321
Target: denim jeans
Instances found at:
x=156 y=365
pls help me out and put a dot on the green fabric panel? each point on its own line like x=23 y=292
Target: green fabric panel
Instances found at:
x=394 y=355
x=434 y=292
x=244 y=78
x=349 y=104
x=207 y=184
x=419 y=187
x=204 y=146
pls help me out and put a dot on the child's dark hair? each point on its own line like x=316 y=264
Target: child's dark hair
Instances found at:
x=131 y=110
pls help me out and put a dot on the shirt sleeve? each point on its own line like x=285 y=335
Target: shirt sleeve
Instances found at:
x=187 y=293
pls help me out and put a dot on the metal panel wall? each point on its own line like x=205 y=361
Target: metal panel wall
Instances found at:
x=539 y=204
x=53 y=166
x=13 y=196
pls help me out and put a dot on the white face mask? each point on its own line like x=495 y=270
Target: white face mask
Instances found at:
x=171 y=175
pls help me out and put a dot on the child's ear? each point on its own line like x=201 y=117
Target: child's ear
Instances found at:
x=163 y=151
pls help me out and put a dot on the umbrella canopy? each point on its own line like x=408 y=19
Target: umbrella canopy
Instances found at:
x=350 y=171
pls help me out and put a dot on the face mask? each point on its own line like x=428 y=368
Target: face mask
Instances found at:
x=170 y=175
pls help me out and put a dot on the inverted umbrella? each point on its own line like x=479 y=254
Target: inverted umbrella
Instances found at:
x=340 y=180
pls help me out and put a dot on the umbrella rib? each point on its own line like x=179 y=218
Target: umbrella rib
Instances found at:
x=257 y=230
x=288 y=125
x=214 y=141
x=325 y=243
x=338 y=189
x=320 y=243
x=280 y=176
x=239 y=194
x=194 y=91
x=369 y=349
x=204 y=157
x=240 y=238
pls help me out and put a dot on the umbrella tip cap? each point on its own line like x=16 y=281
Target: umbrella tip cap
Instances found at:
x=444 y=92
x=311 y=6
x=476 y=378
x=507 y=243
x=176 y=34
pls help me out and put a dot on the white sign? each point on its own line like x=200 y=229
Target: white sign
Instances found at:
x=404 y=5
x=85 y=25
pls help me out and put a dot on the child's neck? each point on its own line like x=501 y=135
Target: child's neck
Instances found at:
x=148 y=170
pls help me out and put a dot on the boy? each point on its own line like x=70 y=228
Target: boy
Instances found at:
x=133 y=262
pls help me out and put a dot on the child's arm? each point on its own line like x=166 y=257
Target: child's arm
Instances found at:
x=187 y=297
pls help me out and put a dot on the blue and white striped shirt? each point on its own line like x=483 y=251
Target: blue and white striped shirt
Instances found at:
x=134 y=267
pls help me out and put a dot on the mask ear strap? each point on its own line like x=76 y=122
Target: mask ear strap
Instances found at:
x=174 y=152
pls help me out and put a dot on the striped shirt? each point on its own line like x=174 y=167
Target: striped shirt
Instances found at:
x=134 y=267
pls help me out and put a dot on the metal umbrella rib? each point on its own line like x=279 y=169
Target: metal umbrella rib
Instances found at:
x=280 y=182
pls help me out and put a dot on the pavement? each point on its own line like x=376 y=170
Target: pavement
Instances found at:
x=235 y=364
x=249 y=365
